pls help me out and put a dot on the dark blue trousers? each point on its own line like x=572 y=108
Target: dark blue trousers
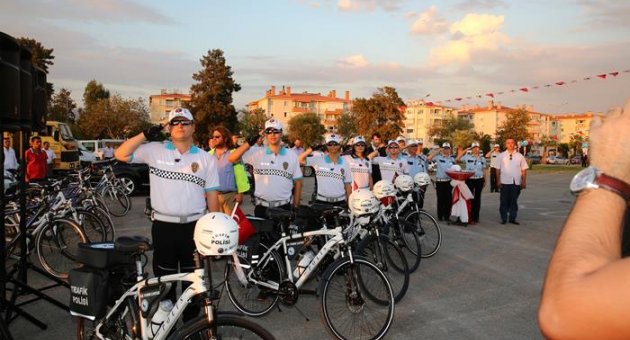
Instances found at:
x=509 y=201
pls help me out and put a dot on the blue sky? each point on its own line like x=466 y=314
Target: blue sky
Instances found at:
x=447 y=49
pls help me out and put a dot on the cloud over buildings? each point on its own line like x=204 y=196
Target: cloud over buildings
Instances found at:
x=428 y=22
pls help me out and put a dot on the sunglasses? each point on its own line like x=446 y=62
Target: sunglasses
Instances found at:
x=393 y=147
x=361 y=145
x=273 y=131
x=181 y=122
x=217 y=137
x=333 y=144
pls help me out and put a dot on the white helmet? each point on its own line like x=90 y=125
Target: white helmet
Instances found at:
x=384 y=188
x=363 y=202
x=404 y=183
x=422 y=179
x=216 y=234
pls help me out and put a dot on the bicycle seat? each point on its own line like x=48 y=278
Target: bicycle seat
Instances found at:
x=326 y=210
x=280 y=215
x=133 y=244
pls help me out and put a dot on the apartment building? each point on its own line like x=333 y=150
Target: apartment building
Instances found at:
x=420 y=116
x=285 y=104
x=161 y=104
x=575 y=123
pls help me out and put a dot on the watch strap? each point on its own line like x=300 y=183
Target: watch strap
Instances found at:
x=615 y=185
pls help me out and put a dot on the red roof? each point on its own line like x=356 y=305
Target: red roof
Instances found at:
x=308 y=97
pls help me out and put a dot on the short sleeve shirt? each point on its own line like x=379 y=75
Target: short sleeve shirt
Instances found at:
x=178 y=181
x=35 y=164
x=273 y=173
x=360 y=171
x=331 y=177
x=476 y=164
x=390 y=168
x=443 y=163
x=511 y=167
x=417 y=163
x=10 y=161
x=494 y=159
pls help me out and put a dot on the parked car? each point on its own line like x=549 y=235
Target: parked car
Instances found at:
x=534 y=159
x=135 y=177
x=557 y=160
x=577 y=159
x=86 y=156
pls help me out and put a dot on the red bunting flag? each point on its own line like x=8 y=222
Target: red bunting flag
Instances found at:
x=603 y=75
x=535 y=87
x=614 y=74
x=587 y=78
x=491 y=95
x=524 y=89
x=560 y=83
x=626 y=71
x=548 y=85
x=428 y=103
x=458 y=99
x=500 y=92
x=478 y=96
x=573 y=81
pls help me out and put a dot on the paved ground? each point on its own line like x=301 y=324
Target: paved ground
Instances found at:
x=484 y=283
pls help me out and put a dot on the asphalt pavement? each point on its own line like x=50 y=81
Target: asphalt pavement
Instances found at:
x=484 y=283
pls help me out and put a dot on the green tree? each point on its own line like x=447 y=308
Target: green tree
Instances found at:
x=307 y=127
x=115 y=117
x=485 y=142
x=93 y=93
x=251 y=123
x=42 y=57
x=346 y=126
x=61 y=106
x=563 y=149
x=514 y=127
x=546 y=143
x=380 y=113
x=575 y=142
x=455 y=130
x=211 y=102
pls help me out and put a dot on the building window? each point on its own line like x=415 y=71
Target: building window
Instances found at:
x=285 y=115
x=409 y=130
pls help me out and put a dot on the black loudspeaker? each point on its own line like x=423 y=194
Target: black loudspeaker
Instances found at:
x=9 y=81
x=26 y=88
x=40 y=99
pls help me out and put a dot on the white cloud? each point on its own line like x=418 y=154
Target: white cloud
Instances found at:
x=357 y=60
x=368 y=5
x=473 y=34
x=429 y=22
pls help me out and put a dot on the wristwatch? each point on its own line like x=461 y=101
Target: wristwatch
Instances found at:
x=593 y=178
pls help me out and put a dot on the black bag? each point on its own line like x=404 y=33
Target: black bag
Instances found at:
x=88 y=292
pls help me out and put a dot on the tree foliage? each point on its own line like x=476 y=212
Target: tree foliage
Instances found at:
x=211 y=102
x=455 y=130
x=61 y=106
x=307 y=127
x=575 y=142
x=514 y=127
x=93 y=93
x=346 y=126
x=114 y=118
x=251 y=123
x=380 y=113
x=41 y=57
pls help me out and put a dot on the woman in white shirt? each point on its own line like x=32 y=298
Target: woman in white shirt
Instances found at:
x=360 y=165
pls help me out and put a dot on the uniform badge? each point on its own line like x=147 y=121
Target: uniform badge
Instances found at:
x=194 y=167
x=343 y=171
x=400 y=165
x=285 y=165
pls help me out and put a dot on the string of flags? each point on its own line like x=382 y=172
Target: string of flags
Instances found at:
x=493 y=95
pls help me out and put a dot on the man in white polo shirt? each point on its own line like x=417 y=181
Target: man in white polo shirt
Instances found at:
x=183 y=182
x=277 y=172
x=512 y=177
x=393 y=164
x=494 y=165
x=332 y=173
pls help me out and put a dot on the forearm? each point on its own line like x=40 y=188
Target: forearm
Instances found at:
x=238 y=153
x=585 y=292
x=126 y=149
x=297 y=193
x=212 y=201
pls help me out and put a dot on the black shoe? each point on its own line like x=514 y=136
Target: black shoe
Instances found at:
x=514 y=222
x=503 y=221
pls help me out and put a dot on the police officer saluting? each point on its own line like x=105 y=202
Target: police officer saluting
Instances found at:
x=183 y=181
x=333 y=174
x=393 y=165
x=443 y=160
x=277 y=172
x=474 y=162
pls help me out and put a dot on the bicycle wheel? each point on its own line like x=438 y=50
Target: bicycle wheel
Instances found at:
x=93 y=227
x=357 y=300
x=227 y=326
x=120 y=325
x=11 y=233
x=117 y=202
x=57 y=244
x=407 y=239
x=252 y=298
x=388 y=257
x=428 y=231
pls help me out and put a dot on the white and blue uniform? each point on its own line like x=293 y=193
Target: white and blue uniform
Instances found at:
x=390 y=168
x=331 y=178
x=475 y=183
x=476 y=164
x=416 y=164
x=443 y=163
x=274 y=175
x=443 y=186
x=360 y=170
